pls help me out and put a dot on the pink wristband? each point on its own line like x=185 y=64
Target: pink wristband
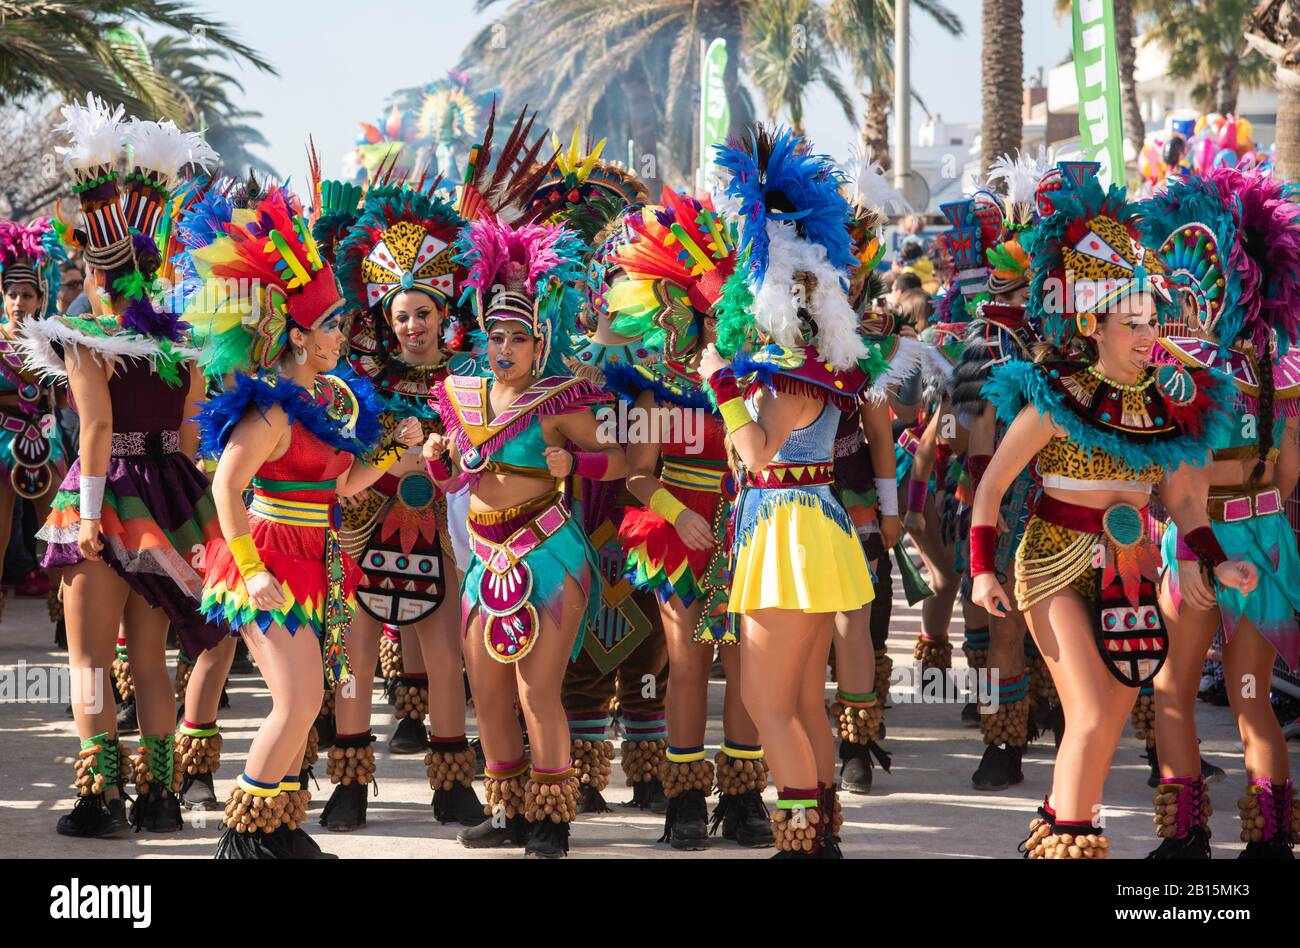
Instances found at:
x=917 y=491
x=590 y=464
x=438 y=469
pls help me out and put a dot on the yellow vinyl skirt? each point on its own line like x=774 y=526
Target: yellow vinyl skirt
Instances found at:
x=796 y=557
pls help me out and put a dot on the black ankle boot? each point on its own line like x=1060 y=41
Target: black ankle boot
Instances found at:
x=94 y=817
x=743 y=819
x=649 y=795
x=158 y=811
x=488 y=835
x=126 y=722
x=197 y=793
x=408 y=738
x=480 y=761
x=855 y=768
x=326 y=731
x=591 y=801
x=970 y=714
x=1195 y=845
x=258 y=845
x=999 y=768
x=686 y=825
x=299 y=844
x=345 y=810
x=547 y=840
x=460 y=805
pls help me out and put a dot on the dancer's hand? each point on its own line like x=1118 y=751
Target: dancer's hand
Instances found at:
x=1238 y=575
x=1192 y=586
x=264 y=591
x=88 y=539
x=914 y=520
x=988 y=593
x=435 y=446
x=409 y=433
x=559 y=461
x=891 y=528
x=711 y=361
x=694 y=530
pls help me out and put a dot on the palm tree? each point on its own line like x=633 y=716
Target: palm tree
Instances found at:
x=1003 y=79
x=626 y=70
x=863 y=33
x=789 y=52
x=204 y=93
x=71 y=49
x=1206 y=44
x=1274 y=31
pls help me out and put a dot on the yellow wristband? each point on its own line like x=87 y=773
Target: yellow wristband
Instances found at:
x=246 y=556
x=666 y=505
x=388 y=460
x=735 y=414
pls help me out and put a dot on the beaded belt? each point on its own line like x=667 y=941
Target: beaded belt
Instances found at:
x=792 y=475
x=511 y=624
x=1251 y=502
x=136 y=444
x=849 y=444
x=694 y=475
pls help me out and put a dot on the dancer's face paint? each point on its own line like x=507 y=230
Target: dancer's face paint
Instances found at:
x=326 y=343
x=1127 y=337
x=21 y=302
x=417 y=323
x=510 y=351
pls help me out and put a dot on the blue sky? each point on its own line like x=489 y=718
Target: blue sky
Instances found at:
x=340 y=59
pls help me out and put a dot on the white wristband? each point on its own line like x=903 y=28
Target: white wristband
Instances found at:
x=887 y=496
x=92 y=497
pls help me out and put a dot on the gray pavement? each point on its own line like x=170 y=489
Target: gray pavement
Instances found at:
x=925 y=808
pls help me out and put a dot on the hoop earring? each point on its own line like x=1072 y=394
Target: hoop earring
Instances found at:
x=300 y=356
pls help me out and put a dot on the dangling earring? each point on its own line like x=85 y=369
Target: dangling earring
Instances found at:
x=300 y=356
x=1087 y=324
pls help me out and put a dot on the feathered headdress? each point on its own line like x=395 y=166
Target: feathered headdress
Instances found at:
x=1019 y=178
x=32 y=253
x=1087 y=256
x=335 y=207
x=527 y=275
x=798 y=256
x=869 y=194
x=402 y=241
x=501 y=184
x=676 y=261
x=263 y=276
x=1231 y=241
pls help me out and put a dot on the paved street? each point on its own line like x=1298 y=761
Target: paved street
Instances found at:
x=925 y=808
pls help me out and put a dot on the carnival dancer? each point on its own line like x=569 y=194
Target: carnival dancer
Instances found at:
x=397 y=270
x=798 y=560
x=125 y=543
x=1230 y=240
x=278 y=575
x=674 y=264
x=532 y=587
x=1104 y=427
x=32 y=458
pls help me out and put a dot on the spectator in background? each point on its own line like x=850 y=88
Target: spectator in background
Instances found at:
x=901 y=282
x=914 y=307
x=72 y=285
x=912 y=259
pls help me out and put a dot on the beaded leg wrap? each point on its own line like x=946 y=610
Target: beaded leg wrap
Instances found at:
x=1008 y=723
x=198 y=751
x=741 y=773
x=122 y=675
x=53 y=604
x=503 y=790
x=253 y=813
x=184 y=668
x=154 y=764
x=641 y=760
x=1050 y=838
x=857 y=718
x=884 y=670
x=678 y=777
x=390 y=662
x=449 y=765
x=829 y=801
x=592 y=761
x=1143 y=717
x=975 y=647
x=1182 y=817
x=1041 y=686
x=327 y=704
x=551 y=796
x=312 y=753
x=352 y=759
x=1270 y=818
x=737 y=776
x=932 y=654
x=411 y=697
x=98 y=765
x=798 y=825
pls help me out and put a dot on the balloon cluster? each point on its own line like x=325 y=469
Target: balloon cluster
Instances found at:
x=1195 y=146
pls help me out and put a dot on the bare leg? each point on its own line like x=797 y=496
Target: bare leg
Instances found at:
x=291 y=665
x=203 y=692
x=1248 y=669
x=495 y=694
x=812 y=699
x=855 y=659
x=540 y=675
x=737 y=725
x=1096 y=704
x=146 y=643
x=687 y=702
x=440 y=646
x=1190 y=633
x=352 y=701
x=8 y=502
x=936 y=610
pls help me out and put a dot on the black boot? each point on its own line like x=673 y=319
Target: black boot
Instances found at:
x=126 y=722
x=326 y=731
x=460 y=805
x=743 y=819
x=547 y=840
x=855 y=767
x=258 y=845
x=1211 y=773
x=408 y=738
x=241 y=664
x=479 y=760
x=158 y=811
x=94 y=817
x=299 y=844
x=999 y=768
x=686 y=825
x=487 y=835
x=649 y=795
x=1195 y=845
x=197 y=793
x=345 y=810
x=1153 y=779
x=591 y=801
x=970 y=714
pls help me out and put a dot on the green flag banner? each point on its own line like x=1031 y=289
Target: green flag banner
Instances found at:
x=715 y=111
x=1096 y=69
